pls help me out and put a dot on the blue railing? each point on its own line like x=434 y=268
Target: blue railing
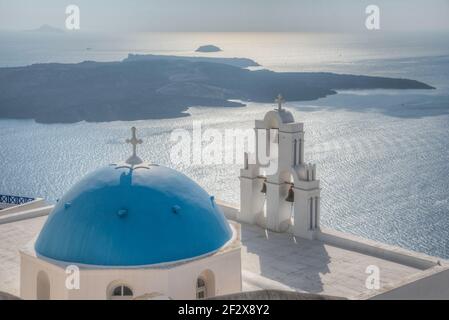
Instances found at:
x=14 y=199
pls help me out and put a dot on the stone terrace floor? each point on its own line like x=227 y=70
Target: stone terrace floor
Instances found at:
x=13 y=236
x=310 y=266
x=269 y=260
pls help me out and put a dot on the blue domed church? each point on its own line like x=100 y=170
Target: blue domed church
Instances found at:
x=137 y=230
x=134 y=230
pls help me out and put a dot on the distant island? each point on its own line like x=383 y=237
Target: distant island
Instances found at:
x=236 y=62
x=153 y=87
x=45 y=28
x=208 y=48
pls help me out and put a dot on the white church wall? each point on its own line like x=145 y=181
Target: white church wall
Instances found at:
x=226 y=270
x=29 y=269
x=97 y=284
x=27 y=278
x=177 y=282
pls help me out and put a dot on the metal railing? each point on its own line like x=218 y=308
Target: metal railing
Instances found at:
x=14 y=199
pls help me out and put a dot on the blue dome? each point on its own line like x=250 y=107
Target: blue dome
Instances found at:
x=119 y=216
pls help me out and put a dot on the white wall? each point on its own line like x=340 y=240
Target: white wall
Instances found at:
x=225 y=267
x=175 y=281
x=36 y=203
x=26 y=214
x=427 y=287
x=29 y=269
x=377 y=249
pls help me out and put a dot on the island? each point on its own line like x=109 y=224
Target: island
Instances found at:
x=208 y=48
x=236 y=62
x=153 y=87
x=45 y=28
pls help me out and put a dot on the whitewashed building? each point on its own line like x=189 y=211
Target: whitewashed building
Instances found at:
x=133 y=230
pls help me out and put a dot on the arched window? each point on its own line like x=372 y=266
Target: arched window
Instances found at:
x=42 y=286
x=205 y=285
x=201 y=290
x=121 y=292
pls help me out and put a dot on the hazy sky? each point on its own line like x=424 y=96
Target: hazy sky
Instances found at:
x=229 y=15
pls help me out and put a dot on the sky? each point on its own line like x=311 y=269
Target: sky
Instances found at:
x=230 y=15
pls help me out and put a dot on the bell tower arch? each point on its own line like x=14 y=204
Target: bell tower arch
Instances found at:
x=292 y=185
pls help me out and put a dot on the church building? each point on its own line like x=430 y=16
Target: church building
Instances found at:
x=138 y=230
x=134 y=230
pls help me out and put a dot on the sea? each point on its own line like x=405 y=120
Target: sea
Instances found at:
x=382 y=155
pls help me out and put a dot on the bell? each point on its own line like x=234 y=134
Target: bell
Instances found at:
x=264 y=188
x=290 y=195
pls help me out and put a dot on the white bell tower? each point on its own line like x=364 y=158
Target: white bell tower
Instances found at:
x=268 y=199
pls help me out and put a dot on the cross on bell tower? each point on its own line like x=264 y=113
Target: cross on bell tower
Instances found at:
x=134 y=159
x=280 y=100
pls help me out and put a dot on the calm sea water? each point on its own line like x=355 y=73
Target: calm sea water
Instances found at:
x=382 y=155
